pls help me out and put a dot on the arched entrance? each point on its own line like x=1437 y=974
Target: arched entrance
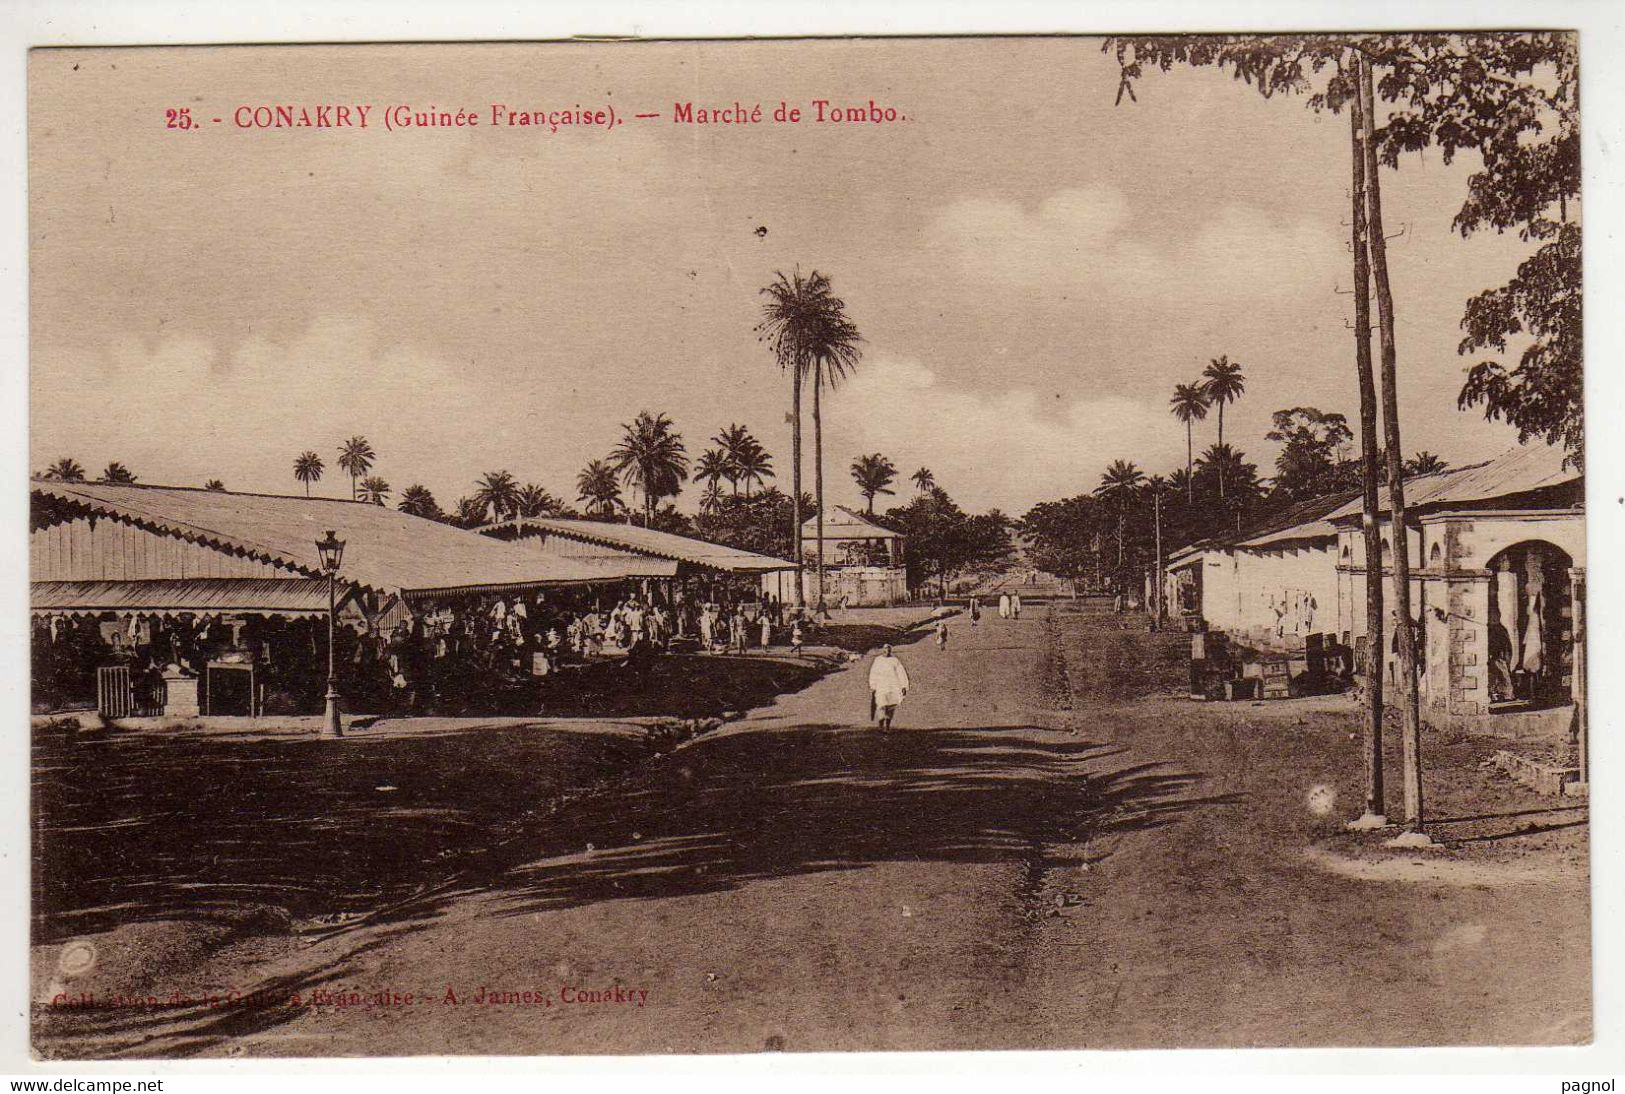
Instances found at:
x=1531 y=626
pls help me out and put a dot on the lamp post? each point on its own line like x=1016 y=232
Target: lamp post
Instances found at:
x=331 y=550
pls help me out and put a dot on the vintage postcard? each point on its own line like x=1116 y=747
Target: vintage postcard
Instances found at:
x=722 y=546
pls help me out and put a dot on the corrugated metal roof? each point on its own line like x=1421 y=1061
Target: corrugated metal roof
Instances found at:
x=1520 y=471
x=1305 y=521
x=386 y=549
x=282 y=596
x=648 y=541
x=842 y=517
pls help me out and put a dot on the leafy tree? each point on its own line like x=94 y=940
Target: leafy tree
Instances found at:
x=758 y=522
x=497 y=494
x=355 y=459
x=417 y=501
x=1189 y=405
x=651 y=457
x=1065 y=537
x=874 y=474
x=811 y=336
x=596 y=485
x=944 y=541
x=116 y=472
x=67 y=469
x=374 y=490
x=712 y=496
x=1311 y=462
x=308 y=468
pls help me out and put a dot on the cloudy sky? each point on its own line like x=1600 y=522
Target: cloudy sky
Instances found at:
x=1032 y=267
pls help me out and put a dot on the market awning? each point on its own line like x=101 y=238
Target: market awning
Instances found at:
x=201 y=596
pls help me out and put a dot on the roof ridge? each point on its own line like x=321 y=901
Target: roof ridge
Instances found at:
x=40 y=479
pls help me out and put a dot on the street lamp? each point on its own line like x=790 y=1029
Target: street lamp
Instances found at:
x=331 y=550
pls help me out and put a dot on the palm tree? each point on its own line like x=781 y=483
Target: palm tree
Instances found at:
x=1424 y=463
x=651 y=457
x=874 y=474
x=734 y=441
x=807 y=327
x=1118 y=485
x=1223 y=384
x=597 y=487
x=215 y=484
x=711 y=499
x=374 y=489
x=66 y=469
x=308 y=468
x=713 y=466
x=751 y=464
x=534 y=501
x=923 y=479
x=417 y=501
x=1189 y=405
x=497 y=494
x=355 y=458
x=116 y=472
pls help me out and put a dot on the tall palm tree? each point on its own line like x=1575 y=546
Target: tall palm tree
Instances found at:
x=874 y=474
x=923 y=479
x=308 y=468
x=67 y=469
x=117 y=473
x=215 y=484
x=596 y=486
x=1118 y=485
x=355 y=458
x=1223 y=383
x=651 y=456
x=417 y=501
x=1189 y=405
x=534 y=501
x=497 y=494
x=812 y=338
x=713 y=466
x=374 y=489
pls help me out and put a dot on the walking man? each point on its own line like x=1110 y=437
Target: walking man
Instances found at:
x=888 y=684
x=942 y=634
x=1015 y=605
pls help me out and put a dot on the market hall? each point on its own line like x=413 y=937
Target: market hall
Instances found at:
x=154 y=600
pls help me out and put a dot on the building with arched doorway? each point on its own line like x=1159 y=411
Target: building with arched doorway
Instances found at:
x=1497 y=561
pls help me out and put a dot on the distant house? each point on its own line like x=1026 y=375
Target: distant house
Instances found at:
x=864 y=561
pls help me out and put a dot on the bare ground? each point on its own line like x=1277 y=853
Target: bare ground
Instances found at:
x=1051 y=850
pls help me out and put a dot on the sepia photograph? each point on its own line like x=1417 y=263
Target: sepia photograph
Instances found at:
x=809 y=545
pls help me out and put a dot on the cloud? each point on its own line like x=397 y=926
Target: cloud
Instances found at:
x=1010 y=449
x=1090 y=241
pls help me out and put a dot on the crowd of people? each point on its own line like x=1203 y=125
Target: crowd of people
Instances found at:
x=444 y=657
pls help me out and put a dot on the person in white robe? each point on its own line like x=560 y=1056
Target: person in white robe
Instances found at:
x=888 y=684
x=1004 y=605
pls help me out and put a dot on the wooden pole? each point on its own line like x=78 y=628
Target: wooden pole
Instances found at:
x=1399 y=534
x=1375 y=809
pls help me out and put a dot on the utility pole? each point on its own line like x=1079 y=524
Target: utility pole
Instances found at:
x=1399 y=535
x=1370 y=515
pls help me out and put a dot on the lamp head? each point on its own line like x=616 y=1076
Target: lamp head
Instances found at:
x=332 y=551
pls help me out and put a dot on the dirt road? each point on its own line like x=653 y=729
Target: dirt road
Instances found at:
x=1049 y=850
